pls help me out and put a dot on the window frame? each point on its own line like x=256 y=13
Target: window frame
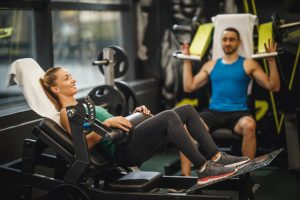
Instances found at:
x=42 y=12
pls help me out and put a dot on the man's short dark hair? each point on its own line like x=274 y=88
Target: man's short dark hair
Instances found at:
x=231 y=29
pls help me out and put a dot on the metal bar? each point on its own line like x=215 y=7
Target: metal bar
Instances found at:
x=88 y=6
x=12 y=175
x=21 y=124
x=264 y=55
x=177 y=27
x=198 y=58
x=186 y=57
x=101 y=62
x=9 y=4
x=289 y=25
x=117 y=195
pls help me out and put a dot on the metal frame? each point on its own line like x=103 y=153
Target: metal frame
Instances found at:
x=73 y=170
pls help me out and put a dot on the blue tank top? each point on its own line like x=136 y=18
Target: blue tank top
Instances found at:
x=229 y=86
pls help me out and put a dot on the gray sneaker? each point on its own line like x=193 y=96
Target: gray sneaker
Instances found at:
x=231 y=161
x=213 y=172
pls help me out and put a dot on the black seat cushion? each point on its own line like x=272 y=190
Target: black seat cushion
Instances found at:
x=136 y=181
x=225 y=134
x=225 y=138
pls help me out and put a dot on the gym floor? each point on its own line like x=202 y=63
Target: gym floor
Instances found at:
x=272 y=183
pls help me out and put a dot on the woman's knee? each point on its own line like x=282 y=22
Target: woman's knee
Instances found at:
x=185 y=108
x=168 y=114
x=186 y=112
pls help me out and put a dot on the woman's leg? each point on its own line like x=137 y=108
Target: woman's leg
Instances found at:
x=196 y=128
x=153 y=134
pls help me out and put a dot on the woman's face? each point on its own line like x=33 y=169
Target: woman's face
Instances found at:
x=65 y=83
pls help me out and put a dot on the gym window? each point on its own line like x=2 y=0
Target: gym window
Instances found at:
x=68 y=33
x=78 y=37
x=17 y=40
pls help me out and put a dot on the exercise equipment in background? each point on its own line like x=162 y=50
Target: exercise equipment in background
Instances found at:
x=203 y=37
x=282 y=31
x=116 y=96
x=112 y=59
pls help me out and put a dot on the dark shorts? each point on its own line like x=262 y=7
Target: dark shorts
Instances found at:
x=216 y=120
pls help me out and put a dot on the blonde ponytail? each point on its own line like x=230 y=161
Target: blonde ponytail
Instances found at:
x=47 y=82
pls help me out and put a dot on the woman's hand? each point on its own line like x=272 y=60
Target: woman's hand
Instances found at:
x=118 y=122
x=143 y=109
x=270 y=47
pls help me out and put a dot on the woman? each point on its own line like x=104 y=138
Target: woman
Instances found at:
x=150 y=135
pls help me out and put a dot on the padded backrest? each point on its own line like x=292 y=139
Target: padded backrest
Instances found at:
x=26 y=73
x=265 y=33
x=57 y=133
x=202 y=39
x=60 y=136
x=244 y=23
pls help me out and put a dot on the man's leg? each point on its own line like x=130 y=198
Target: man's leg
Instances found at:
x=246 y=127
x=185 y=164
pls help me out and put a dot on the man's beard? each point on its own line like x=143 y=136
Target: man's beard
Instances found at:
x=230 y=51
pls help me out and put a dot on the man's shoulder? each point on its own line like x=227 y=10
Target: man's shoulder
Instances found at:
x=210 y=63
x=249 y=62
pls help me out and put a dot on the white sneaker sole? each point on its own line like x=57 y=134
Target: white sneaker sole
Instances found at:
x=238 y=163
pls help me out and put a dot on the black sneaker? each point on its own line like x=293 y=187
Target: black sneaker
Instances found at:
x=213 y=172
x=231 y=161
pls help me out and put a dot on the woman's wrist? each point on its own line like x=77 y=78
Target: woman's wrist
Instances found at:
x=107 y=123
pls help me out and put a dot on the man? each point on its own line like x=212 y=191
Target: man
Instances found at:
x=230 y=76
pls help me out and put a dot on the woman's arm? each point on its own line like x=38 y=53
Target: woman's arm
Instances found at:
x=64 y=120
x=118 y=122
x=92 y=138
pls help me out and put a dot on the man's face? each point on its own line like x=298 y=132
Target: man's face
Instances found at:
x=230 y=42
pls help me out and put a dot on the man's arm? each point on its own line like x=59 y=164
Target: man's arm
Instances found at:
x=272 y=80
x=190 y=82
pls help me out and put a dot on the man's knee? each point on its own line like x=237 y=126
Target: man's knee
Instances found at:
x=249 y=128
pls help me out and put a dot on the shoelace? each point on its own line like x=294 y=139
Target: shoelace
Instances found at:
x=225 y=157
x=208 y=167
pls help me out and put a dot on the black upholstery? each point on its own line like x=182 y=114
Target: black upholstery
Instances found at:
x=60 y=136
x=56 y=137
x=225 y=138
x=57 y=133
x=136 y=181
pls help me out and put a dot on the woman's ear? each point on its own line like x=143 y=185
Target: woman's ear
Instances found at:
x=55 y=89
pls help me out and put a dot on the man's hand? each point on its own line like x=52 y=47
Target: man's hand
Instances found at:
x=185 y=48
x=270 y=47
x=142 y=109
